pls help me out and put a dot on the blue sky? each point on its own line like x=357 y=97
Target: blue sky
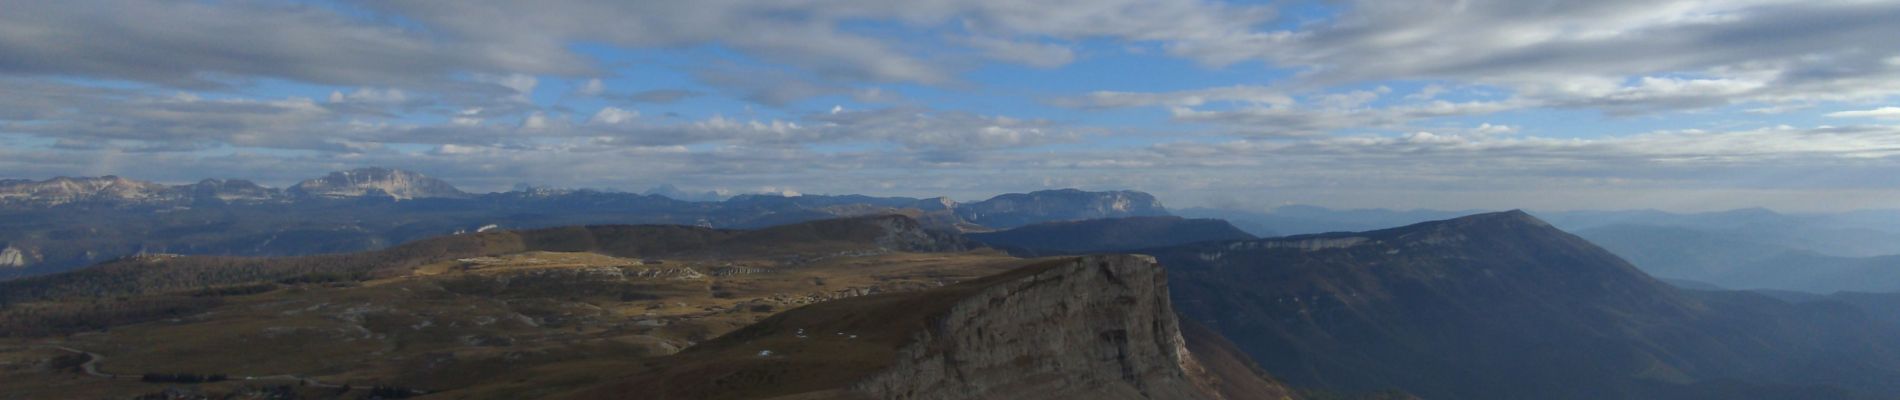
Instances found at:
x=1673 y=104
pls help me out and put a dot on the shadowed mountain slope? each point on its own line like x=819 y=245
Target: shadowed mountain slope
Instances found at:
x=1505 y=306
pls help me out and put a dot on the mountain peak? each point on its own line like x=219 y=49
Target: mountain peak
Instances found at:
x=360 y=182
x=1018 y=209
x=1507 y=217
x=1502 y=221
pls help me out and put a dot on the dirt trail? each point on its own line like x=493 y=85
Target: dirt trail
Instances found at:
x=91 y=367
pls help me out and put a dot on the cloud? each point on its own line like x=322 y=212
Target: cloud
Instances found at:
x=235 y=41
x=521 y=84
x=593 y=87
x=1883 y=113
x=661 y=96
x=440 y=42
x=944 y=131
x=1035 y=54
x=1253 y=95
x=611 y=116
x=1258 y=111
x=1679 y=53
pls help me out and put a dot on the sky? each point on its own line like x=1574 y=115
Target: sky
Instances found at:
x=1551 y=105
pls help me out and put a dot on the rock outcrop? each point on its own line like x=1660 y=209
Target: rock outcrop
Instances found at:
x=13 y=258
x=1087 y=328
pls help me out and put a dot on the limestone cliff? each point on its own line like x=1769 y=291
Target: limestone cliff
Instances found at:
x=1095 y=328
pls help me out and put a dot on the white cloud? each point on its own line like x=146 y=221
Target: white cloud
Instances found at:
x=1252 y=95
x=369 y=95
x=1883 y=113
x=611 y=116
x=593 y=87
x=534 y=122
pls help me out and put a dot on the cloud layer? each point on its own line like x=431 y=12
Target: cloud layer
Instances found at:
x=1482 y=103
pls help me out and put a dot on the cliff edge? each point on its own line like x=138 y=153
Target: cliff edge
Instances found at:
x=1096 y=328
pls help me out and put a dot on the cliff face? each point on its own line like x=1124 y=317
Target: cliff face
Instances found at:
x=1091 y=328
x=1086 y=328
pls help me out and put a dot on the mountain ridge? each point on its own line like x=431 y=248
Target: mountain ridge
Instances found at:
x=1504 y=305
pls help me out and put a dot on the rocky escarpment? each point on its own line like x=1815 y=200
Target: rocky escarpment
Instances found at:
x=1096 y=328
x=1089 y=328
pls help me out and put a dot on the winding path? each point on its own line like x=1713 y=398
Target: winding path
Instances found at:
x=91 y=367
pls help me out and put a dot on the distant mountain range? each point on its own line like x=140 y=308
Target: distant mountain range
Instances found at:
x=62 y=223
x=113 y=191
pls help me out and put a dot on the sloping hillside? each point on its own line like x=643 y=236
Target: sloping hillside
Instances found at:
x=152 y=274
